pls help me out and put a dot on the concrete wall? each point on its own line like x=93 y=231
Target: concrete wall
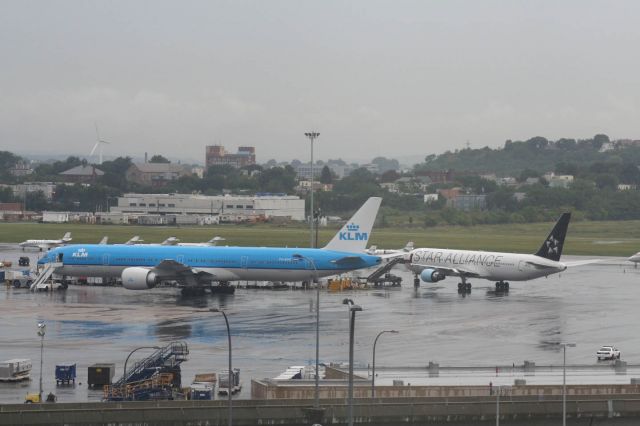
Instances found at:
x=297 y=389
x=597 y=411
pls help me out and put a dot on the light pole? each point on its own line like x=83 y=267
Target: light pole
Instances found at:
x=124 y=373
x=230 y=415
x=498 y=389
x=373 y=372
x=316 y=403
x=352 y=309
x=41 y=332
x=564 y=380
x=312 y=136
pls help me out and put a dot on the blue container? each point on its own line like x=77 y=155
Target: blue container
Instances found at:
x=2 y=276
x=65 y=373
x=201 y=394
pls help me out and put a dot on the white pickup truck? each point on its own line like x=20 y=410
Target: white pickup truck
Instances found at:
x=608 y=352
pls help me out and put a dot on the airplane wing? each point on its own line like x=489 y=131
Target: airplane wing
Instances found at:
x=456 y=272
x=171 y=269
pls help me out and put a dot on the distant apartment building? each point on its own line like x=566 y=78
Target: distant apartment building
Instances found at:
x=155 y=174
x=304 y=171
x=216 y=155
x=468 y=202
x=20 y=189
x=21 y=169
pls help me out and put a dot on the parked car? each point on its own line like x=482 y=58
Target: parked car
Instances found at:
x=608 y=352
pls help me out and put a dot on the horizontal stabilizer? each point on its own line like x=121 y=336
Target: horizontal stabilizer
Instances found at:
x=581 y=262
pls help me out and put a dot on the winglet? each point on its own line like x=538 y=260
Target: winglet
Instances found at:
x=354 y=235
x=67 y=237
x=552 y=247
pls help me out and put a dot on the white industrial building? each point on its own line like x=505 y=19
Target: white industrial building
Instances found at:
x=267 y=206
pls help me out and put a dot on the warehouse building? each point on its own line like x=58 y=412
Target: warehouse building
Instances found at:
x=261 y=205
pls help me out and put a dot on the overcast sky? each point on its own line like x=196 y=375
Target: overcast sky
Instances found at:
x=392 y=78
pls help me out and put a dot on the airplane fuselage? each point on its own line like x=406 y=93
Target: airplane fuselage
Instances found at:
x=494 y=266
x=223 y=263
x=41 y=244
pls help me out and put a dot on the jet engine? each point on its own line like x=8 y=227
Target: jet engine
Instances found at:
x=139 y=279
x=431 y=276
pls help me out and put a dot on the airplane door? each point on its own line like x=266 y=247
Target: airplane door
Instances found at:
x=105 y=260
x=244 y=262
x=180 y=259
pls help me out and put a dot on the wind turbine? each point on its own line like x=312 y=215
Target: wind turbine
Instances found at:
x=99 y=143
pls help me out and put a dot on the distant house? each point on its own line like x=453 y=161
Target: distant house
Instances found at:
x=558 y=181
x=82 y=174
x=155 y=174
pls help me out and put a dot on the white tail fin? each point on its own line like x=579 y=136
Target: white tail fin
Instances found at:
x=67 y=237
x=214 y=241
x=408 y=247
x=104 y=240
x=134 y=240
x=171 y=241
x=354 y=235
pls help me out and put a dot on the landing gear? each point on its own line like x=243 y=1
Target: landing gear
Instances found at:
x=502 y=286
x=464 y=287
x=192 y=291
x=416 y=281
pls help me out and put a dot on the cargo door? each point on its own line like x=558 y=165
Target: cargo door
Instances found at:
x=244 y=262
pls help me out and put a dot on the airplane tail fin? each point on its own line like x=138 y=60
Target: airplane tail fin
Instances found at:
x=67 y=237
x=171 y=241
x=104 y=240
x=215 y=240
x=354 y=235
x=408 y=247
x=134 y=240
x=552 y=247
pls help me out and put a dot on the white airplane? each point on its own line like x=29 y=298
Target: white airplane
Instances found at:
x=46 y=244
x=174 y=241
x=432 y=265
x=375 y=251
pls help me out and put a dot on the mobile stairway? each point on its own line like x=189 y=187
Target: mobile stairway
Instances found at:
x=40 y=283
x=164 y=360
x=375 y=275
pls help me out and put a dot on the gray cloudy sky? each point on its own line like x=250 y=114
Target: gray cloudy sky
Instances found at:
x=390 y=78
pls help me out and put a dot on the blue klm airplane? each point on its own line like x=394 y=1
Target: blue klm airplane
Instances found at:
x=143 y=267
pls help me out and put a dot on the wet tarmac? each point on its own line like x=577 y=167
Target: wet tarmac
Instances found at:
x=590 y=305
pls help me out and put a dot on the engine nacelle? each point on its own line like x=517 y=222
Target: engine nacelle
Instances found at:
x=138 y=279
x=431 y=276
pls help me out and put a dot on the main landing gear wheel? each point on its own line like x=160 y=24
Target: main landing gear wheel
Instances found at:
x=416 y=282
x=464 y=287
x=502 y=286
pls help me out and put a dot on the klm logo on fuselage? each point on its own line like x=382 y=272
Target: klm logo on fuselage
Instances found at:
x=81 y=253
x=352 y=234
